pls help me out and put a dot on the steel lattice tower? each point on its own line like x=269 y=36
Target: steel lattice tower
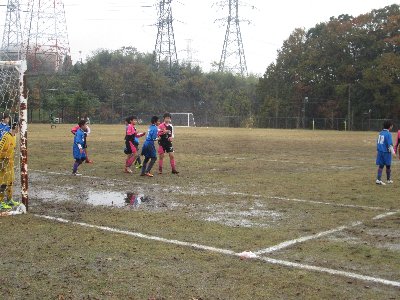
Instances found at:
x=11 y=46
x=165 y=48
x=47 y=44
x=232 y=56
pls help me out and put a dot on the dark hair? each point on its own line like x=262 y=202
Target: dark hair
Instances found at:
x=154 y=119
x=81 y=123
x=130 y=118
x=167 y=115
x=387 y=124
x=5 y=115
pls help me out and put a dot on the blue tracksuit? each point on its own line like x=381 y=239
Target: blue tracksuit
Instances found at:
x=384 y=141
x=149 y=150
x=79 y=139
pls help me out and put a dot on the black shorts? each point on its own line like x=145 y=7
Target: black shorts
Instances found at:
x=165 y=147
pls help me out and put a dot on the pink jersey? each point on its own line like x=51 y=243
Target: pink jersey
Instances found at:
x=397 y=142
x=131 y=130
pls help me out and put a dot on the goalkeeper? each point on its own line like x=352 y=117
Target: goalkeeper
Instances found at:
x=7 y=149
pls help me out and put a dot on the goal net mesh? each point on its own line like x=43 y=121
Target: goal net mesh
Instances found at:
x=11 y=86
x=183 y=119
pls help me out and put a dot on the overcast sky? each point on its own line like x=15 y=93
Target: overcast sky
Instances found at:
x=111 y=24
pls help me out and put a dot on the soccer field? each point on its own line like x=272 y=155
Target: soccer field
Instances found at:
x=304 y=203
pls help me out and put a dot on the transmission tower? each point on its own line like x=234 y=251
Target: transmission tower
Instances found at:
x=47 y=44
x=165 y=48
x=232 y=56
x=11 y=46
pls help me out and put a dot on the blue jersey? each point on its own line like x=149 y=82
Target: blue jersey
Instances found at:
x=149 y=150
x=4 y=128
x=79 y=139
x=152 y=133
x=384 y=141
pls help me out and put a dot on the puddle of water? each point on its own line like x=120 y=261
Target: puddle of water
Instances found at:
x=118 y=199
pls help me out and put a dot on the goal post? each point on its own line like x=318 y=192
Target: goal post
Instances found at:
x=183 y=119
x=14 y=102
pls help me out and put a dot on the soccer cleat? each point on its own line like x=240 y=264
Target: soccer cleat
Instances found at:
x=128 y=170
x=76 y=174
x=175 y=172
x=390 y=181
x=139 y=166
x=89 y=161
x=4 y=205
x=380 y=182
x=148 y=174
x=12 y=202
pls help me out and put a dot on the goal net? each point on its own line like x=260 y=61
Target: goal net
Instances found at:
x=13 y=135
x=183 y=119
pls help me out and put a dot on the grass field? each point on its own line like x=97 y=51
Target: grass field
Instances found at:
x=304 y=202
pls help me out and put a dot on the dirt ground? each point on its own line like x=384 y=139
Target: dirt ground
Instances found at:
x=238 y=189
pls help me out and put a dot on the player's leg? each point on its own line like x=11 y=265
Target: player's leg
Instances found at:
x=173 y=162
x=88 y=161
x=161 y=155
x=150 y=166
x=138 y=161
x=388 y=174
x=146 y=160
x=128 y=163
x=77 y=163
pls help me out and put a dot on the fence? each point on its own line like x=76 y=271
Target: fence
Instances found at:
x=358 y=124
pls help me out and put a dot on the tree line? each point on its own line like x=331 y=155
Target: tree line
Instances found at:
x=347 y=67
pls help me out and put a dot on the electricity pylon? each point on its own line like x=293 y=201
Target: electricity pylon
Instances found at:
x=46 y=42
x=11 y=46
x=233 y=58
x=165 y=48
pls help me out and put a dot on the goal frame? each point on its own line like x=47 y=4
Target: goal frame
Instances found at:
x=188 y=119
x=21 y=67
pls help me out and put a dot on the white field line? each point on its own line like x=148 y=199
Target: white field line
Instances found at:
x=330 y=271
x=229 y=252
x=388 y=214
x=318 y=235
x=234 y=193
x=304 y=239
x=328 y=203
x=298 y=162
x=139 y=235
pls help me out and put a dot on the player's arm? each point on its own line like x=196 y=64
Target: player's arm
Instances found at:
x=78 y=140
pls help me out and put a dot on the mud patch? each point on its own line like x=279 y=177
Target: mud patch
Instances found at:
x=242 y=216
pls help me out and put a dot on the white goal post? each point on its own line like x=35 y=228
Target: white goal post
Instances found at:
x=13 y=102
x=183 y=120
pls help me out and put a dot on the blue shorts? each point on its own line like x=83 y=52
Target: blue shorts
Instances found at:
x=383 y=159
x=149 y=150
x=77 y=153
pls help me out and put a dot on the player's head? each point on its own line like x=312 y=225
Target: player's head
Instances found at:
x=134 y=120
x=167 y=117
x=5 y=118
x=387 y=124
x=82 y=124
x=155 y=120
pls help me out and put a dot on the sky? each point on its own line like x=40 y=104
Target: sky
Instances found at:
x=198 y=25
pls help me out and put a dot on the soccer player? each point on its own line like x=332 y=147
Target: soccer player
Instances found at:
x=149 y=150
x=78 y=147
x=165 y=144
x=385 y=151
x=396 y=148
x=7 y=148
x=87 y=132
x=131 y=146
x=5 y=125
